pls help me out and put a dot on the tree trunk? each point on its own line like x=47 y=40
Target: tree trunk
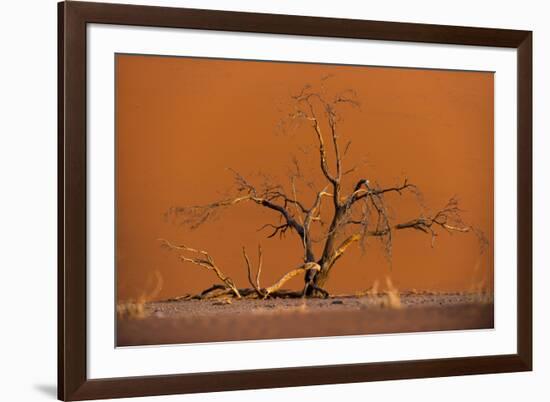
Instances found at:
x=317 y=278
x=322 y=276
x=326 y=261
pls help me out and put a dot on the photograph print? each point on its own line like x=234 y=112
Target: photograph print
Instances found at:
x=264 y=200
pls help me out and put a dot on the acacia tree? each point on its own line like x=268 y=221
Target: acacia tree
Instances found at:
x=354 y=216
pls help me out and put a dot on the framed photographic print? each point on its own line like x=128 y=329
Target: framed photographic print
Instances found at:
x=253 y=200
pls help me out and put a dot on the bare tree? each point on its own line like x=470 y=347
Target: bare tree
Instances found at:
x=354 y=216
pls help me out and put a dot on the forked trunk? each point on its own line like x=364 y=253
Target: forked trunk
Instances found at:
x=327 y=260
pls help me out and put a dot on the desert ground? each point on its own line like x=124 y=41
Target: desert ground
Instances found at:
x=194 y=321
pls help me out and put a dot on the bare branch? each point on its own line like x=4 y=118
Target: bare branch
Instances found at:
x=313 y=212
x=289 y=275
x=280 y=229
x=260 y=263
x=322 y=151
x=345 y=244
x=360 y=193
x=197 y=215
x=447 y=218
x=208 y=292
x=194 y=216
x=349 y=171
x=305 y=232
x=346 y=148
x=274 y=195
x=255 y=286
x=305 y=97
x=205 y=261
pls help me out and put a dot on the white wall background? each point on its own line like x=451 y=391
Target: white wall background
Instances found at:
x=28 y=198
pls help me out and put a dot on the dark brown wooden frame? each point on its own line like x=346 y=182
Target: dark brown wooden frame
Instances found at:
x=73 y=383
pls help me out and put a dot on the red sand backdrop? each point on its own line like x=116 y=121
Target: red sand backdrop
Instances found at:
x=181 y=122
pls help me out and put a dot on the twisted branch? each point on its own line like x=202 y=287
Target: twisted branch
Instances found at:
x=310 y=266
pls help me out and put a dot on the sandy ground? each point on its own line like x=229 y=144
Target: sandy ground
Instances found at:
x=193 y=321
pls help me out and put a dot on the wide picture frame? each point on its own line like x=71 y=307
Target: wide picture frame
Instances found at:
x=90 y=363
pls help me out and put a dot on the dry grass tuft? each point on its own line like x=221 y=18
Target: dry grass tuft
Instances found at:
x=392 y=295
x=302 y=307
x=131 y=309
x=135 y=309
x=371 y=292
x=389 y=298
